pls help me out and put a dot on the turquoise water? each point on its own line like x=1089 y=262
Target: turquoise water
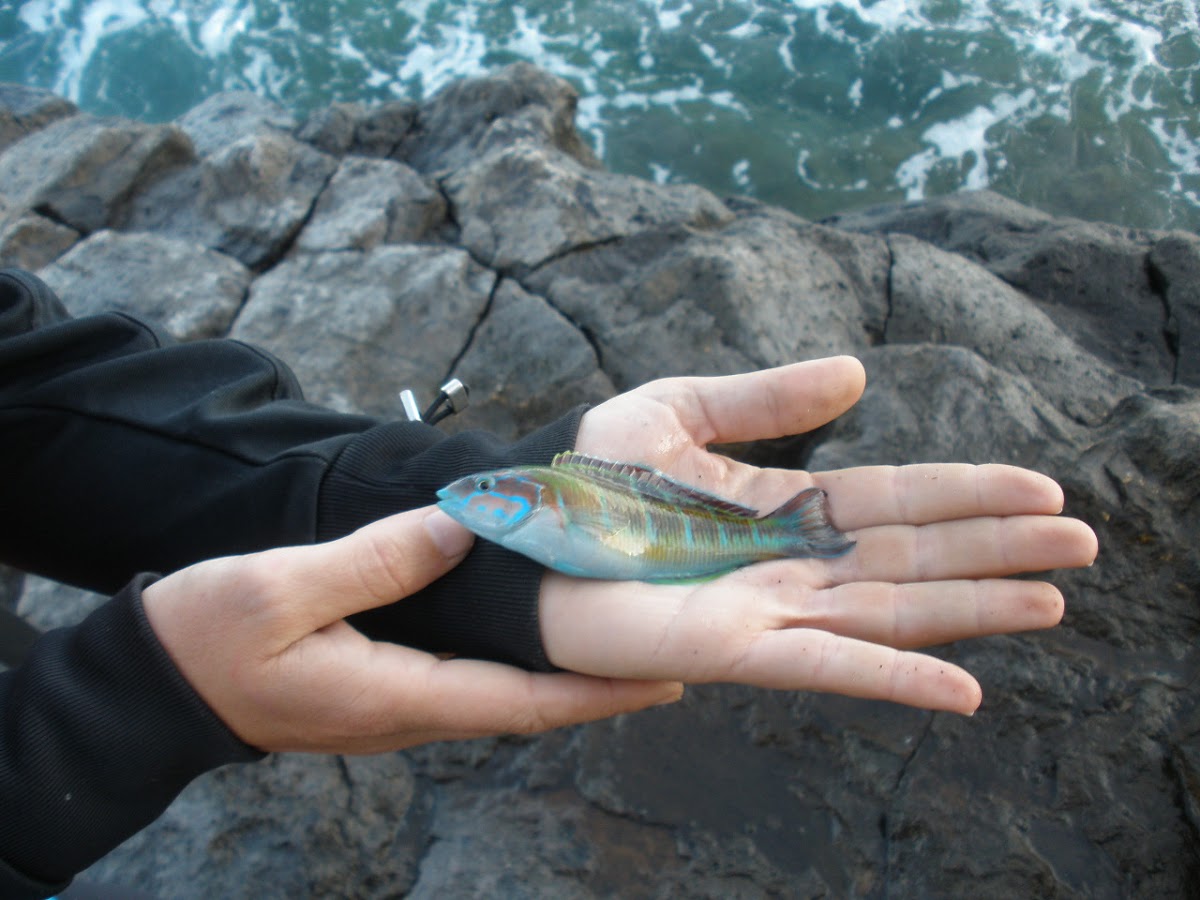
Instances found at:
x=1084 y=107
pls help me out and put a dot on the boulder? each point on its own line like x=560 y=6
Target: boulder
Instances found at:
x=24 y=110
x=763 y=290
x=473 y=234
x=248 y=199
x=32 y=241
x=189 y=290
x=357 y=328
x=468 y=118
x=342 y=128
x=79 y=170
x=522 y=205
x=1107 y=286
x=211 y=124
x=402 y=207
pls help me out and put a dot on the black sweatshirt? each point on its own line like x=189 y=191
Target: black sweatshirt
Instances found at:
x=125 y=452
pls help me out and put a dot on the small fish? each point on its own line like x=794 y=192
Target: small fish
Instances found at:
x=596 y=519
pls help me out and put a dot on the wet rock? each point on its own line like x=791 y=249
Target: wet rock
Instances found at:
x=191 y=291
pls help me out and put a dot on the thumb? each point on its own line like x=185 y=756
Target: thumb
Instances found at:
x=381 y=563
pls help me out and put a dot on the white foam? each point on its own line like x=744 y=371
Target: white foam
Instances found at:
x=855 y=94
x=741 y=174
x=219 y=30
x=671 y=19
x=957 y=138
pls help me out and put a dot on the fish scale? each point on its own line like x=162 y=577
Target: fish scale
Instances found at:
x=599 y=519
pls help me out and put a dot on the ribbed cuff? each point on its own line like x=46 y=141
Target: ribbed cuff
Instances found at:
x=487 y=607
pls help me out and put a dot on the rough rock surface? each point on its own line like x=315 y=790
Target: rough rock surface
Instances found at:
x=475 y=235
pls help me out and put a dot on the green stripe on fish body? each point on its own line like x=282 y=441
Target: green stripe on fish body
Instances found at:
x=598 y=519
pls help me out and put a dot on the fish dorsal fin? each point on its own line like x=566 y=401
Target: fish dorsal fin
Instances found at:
x=649 y=481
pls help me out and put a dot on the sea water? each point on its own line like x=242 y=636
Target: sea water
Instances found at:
x=1082 y=107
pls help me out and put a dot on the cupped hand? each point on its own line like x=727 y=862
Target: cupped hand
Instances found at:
x=935 y=544
x=262 y=639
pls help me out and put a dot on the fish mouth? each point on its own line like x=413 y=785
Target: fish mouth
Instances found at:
x=443 y=494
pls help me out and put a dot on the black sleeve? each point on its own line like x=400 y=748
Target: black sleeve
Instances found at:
x=98 y=734
x=124 y=452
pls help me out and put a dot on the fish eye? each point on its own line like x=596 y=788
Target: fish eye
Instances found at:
x=484 y=484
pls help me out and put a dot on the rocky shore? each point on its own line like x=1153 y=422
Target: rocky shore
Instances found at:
x=475 y=235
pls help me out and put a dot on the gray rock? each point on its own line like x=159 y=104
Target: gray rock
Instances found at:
x=470 y=117
x=24 y=110
x=248 y=199
x=522 y=205
x=369 y=202
x=940 y=297
x=47 y=604
x=331 y=128
x=190 y=291
x=79 y=170
x=1174 y=265
x=990 y=332
x=1098 y=282
x=32 y=241
x=377 y=131
x=12 y=582
x=232 y=115
x=357 y=830
x=526 y=363
x=357 y=328
x=764 y=290
x=382 y=129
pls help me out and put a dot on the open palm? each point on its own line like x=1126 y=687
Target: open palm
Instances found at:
x=934 y=546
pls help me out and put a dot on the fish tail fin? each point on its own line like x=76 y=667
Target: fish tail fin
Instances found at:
x=807 y=515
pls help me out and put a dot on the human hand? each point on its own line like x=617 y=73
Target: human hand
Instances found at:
x=934 y=544
x=262 y=638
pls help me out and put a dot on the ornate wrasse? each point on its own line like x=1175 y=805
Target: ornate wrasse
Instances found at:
x=597 y=519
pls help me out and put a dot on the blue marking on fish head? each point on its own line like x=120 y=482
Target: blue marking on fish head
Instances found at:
x=491 y=504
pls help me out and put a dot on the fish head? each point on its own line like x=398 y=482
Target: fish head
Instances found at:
x=492 y=504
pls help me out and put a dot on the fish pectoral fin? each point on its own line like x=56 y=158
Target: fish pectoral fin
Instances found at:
x=626 y=540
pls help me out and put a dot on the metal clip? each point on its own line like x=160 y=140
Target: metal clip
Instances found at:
x=453 y=397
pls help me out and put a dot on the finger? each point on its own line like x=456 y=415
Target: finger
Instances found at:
x=374 y=566
x=986 y=547
x=460 y=698
x=809 y=660
x=919 y=494
x=765 y=404
x=906 y=616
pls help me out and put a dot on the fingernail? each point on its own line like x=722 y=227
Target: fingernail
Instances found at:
x=449 y=537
